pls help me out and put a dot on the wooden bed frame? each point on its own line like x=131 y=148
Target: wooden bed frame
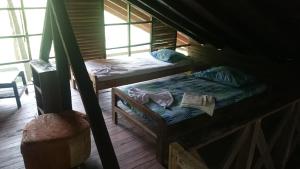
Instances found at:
x=253 y=145
x=99 y=85
x=179 y=158
x=224 y=121
x=105 y=84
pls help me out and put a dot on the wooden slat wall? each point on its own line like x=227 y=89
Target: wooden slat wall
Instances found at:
x=210 y=55
x=257 y=65
x=116 y=7
x=162 y=36
x=182 y=39
x=119 y=8
x=87 y=20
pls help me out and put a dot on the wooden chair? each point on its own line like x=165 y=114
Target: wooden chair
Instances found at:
x=8 y=84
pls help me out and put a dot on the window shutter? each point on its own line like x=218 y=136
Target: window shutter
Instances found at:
x=162 y=36
x=87 y=19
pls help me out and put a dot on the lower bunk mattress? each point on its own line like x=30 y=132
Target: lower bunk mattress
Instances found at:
x=188 y=83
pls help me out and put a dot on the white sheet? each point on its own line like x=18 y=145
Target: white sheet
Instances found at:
x=128 y=66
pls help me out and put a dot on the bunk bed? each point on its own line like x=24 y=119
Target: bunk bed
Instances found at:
x=167 y=124
x=112 y=72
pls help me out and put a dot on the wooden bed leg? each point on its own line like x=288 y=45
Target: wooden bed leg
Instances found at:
x=115 y=117
x=74 y=85
x=113 y=104
x=97 y=94
x=162 y=147
x=96 y=89
x=72 y=78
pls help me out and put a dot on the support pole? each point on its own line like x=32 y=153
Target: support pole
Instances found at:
x=90 y=101
x=62 y=67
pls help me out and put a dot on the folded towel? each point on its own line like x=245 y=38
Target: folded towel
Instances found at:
x=203 y=102
x=164 y=98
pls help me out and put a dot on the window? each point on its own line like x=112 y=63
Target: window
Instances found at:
x=21 y=29
x=21 y=32
x=127 y=28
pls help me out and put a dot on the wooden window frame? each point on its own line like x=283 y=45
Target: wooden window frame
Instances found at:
x=26 y=35
x=128 y=23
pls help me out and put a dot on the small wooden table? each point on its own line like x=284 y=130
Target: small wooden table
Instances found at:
x=8 y=84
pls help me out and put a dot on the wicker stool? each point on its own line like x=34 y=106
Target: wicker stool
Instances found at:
x=56 y=141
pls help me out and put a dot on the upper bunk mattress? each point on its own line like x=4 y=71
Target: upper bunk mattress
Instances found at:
x=114 y=68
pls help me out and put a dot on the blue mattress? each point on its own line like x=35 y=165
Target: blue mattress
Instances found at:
x=178 y=85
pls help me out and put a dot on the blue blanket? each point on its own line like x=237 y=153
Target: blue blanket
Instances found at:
x=224 y=95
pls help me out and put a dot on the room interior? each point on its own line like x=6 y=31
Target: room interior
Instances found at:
x=87 y=49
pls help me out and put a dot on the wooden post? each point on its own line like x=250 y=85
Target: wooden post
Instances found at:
x=62 y=67
x=114 y=103
x=47 y=36
x=90 y=101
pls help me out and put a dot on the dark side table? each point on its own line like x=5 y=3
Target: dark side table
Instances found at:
x=8 y=84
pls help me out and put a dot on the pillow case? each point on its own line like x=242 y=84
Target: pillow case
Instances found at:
x=168 y=55
x=226 y=75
